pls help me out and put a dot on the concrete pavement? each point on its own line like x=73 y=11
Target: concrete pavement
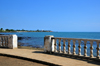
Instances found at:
x=39 y=55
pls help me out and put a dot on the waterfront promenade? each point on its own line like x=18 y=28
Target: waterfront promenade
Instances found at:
x=49 y=58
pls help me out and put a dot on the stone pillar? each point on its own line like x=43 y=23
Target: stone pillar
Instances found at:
x=48 y=44
x=12 y=41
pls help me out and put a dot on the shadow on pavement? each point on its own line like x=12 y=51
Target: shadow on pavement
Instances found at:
x=29 y=59
x=72 y=57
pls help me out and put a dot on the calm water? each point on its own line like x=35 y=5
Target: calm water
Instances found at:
x=36 y=39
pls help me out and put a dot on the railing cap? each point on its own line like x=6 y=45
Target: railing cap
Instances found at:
x=9 y=35
x=49 y=36
x=76 y=39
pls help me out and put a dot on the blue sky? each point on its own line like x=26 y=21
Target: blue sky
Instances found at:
x=55 y=15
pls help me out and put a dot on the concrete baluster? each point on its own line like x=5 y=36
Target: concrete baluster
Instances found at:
x=85 y=48
x=69 y=47
x=2 y=41
x=74 y=53
x=5 y=41
x=91 y=49
x=98 y=50
x=79 y=48
x=55 y=46
x=59 y=46
x=64 y=47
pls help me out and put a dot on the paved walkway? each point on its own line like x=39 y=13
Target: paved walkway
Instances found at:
x=10 y=61
x=39 y=55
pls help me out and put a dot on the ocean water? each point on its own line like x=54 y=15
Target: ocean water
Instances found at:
x=36 y=39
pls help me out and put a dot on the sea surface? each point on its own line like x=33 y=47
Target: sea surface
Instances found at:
x=36 y=39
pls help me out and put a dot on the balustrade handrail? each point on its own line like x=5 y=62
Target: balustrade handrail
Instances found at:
x=3 y=35
x=76 y=39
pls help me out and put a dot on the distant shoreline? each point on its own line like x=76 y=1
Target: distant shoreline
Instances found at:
x=12 y=32
x=23 y=31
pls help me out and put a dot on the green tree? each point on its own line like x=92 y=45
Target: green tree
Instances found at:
x=37 y=30
x=23 y=30
x=1 y=29
x=11 y=30
x=7 y=29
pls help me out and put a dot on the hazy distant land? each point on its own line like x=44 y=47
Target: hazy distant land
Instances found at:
x=12 y=30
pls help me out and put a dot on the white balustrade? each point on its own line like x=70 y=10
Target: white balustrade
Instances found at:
x=9 y=41
x=54 y=46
